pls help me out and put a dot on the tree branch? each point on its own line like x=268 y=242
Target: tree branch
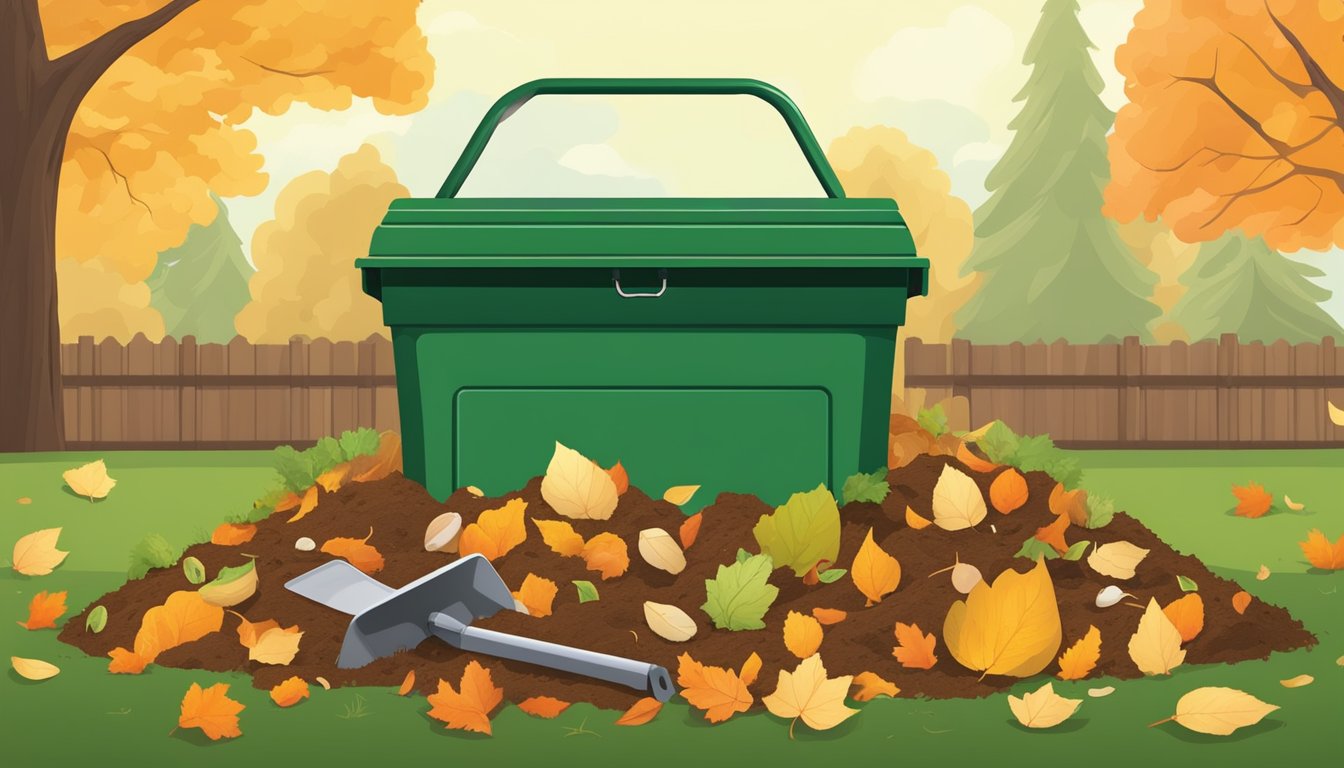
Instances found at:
x=125 y=181
x=82 y=67
x=310 y=73
x=1297 y=89
x=1332 y=92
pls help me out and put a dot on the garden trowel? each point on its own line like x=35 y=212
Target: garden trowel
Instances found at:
x=444 y=604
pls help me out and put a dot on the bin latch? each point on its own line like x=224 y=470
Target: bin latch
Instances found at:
x=616 y=278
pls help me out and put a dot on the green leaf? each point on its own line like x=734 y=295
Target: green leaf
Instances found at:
x=866 y=487
x=96 y=620
x=153 y=551
x=742 y=555
x=359 y=442
x=232 y=573
x=740 y=594
x=1076 y=551
x=1034 y=549
x=295 y=468
x=325 y=455
x=1187 y=584
x=802 y=532
x=999 y=443
x=587 y=591
x=933 y=420
x=194 y=570
x=831 y=575
x=1100 y=511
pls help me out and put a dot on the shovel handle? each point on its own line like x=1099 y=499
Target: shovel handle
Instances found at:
x=614 y=669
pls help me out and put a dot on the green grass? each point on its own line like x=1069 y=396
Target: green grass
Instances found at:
x=88 y=717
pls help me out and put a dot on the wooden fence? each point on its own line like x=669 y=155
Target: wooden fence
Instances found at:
x=1210 y=394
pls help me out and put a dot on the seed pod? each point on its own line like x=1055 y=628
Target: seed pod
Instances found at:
x=305 y=544
x=194 y=570
x=1111 y=595
x=442 y=533
x=669 y=622
x=660 y=550
x=965 y=576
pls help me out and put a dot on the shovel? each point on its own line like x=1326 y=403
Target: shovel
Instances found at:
x=444 y=604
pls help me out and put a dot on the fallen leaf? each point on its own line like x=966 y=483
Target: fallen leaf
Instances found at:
x=802 y=532
x=1298 y=681
x=544 y=707
x=333 y=478
x=185 y=616
x=864 y=486
x=974 y=462
x=1053 y=534
x=211 y=710
x=1081 y=658
x=641 y=711
x=669 y=622
x=718 y=692
x=1187 y=615
x=290 y=692
x=620 y=478
x=1070 y=504
x=36 y=554
x=90 y=481
x=23 y=500
x=914 y=649
x=44 y=609
x=1293 y=505
x=381 y=463
x=1252 y=500
x=750 y=669
x=1156 y=646
x=1321 y=553
x=33 y=669
x=807 y=693
x=1008 y=492
x=229 y=534
x=587 y=591
x=1241 y=601
x=1262 y=574
x=802 y=634
x=1010 y=627
x=680 y=494
x=871 y=686
x=607 y=554
x=407 y=683
x=359 y=552
x=307 y=503
x=287 y=502
x=577 y=488
x=874 y=572
x=739 y=594
x=1218 y=711
x=469 y=709
x=1187 y=584
x=660 y=551
x=1102 y=692
x=495 y=532
x=828 y=616
x=322 y=681
x=690 y=528
x=1043 y=708
x=905 y=447
x=560 y=537
x=957 y=501
x=1117 y=559
x=537 y=594
x=1336 y=414
x=915 y=520
x=231 y=585
x=276 y=646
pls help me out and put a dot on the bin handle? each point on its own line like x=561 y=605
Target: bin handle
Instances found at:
x=616 y=278
x=692 y=86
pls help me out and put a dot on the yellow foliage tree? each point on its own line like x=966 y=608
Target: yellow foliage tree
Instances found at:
x=1159 y=249
x=100 y=303
x=306 y=282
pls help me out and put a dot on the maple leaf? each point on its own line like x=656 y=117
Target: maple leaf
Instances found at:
x=307 y=503
x=808 y=694
x=1008 y=628
x=560 y=536
x=537 y=595
x=211 y=710
x=1187 y=615
x=544 y=707
x=290 y=692
x=641 y=711
x=607 y=554
x=90 y=480
x=495 y=532
x=802 y=634
x=1081 y=657
x=358 y=552
x=229 y=534
x=1252 y=500
x=719 y=692
x=914 y=649
x=185 y=616
x=690 y=529
x=44 y=609
x=828 y=616
x=36 y=554
x=1320 y=552
x=871 y=686
x=468 y=709
x=1043 y=708
x=1053 y=534
x=874 y=572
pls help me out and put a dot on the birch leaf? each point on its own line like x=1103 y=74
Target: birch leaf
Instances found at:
x=1117 y=559
x=1010 y=628
x=874 y=572
x=1218 y=711
x=90 y=480
x=802 y=532
x=957 y=501
x=577 y=488
x=1156 y=646
x=36 y=554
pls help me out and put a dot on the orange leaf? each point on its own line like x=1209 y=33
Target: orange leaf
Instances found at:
x=288 y=502
x=641 y=711
x=43 y=610
x=495 y=532
x=407 y=683
x=828 y=616
x=544 y=706
x=470 y=709
x=1321 y=553
x=1241 y=601
x=750 y=669
x=802 y=634
x=229 y=535
x=306 y=505
x=620 y=478
x=537 y=595
x=381 y=463
x=1053 y=534
x=690 y=528
x=1081 y=657
x=874 y=572
x=913 y=648
x=973 y=462
x=1252 y=500
x=211 y=710
x=607 y=554
x=183 y=617
x=1008 y=492
x=915 y=520
x=560 y=537
x=719 y=692
x=1070 y=504
x=359 y=552
x=290 y=692
x=333 y=478
x=1187 y=614
x=249 y=632
x=872 y=686
x=813 y=576
x=126 y=662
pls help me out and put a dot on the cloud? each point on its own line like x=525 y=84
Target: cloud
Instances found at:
x=598 y=160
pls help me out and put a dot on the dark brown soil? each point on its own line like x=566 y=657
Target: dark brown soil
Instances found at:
x=398 y=510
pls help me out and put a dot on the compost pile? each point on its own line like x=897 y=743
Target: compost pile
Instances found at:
x=393 y=513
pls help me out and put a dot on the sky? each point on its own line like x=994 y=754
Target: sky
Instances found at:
x=944 y=71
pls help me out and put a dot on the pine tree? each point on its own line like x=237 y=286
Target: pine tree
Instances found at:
x=1053 y=266
x=201 y=284
x=1240 y=285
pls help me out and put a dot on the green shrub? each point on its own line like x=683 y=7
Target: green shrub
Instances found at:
x=153 y=551
x=1030 y=454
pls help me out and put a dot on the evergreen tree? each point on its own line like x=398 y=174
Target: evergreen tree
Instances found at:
x=1053 y=266
x=1240 y=285
x=201 y=284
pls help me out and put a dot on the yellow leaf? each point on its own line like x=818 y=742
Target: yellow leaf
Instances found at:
x=537 y=595
x=802 y=634
x=641 y=711
x=871 y=686
x=33 y=669
x=1336 y=414
x=1156 y=645
x=36 y=554
x=914 y=649
x=469 y=708
x=289 y=692
x=185 y=616
x=874 y=572
x=560 y=537
x=1043 y=708
x=90 y=481
x=957 y=501
x=1117 y=559
x=1081 y=658
x=1008 y=628
x=211 y=710
x=333 y=478
x=276 y=646
x=577 y=488
x=807 y=693
x=750 y=669
x=915 y=520
x=1297 y=682
x=1263 y=573
x=669 y=622
x=719 y=692
x=1187 y=614
x=495 y=532
x=1293 y=505
x=307 y=503
x=680 y=494
x=658 y=549
x=606 y=553
x=1218 y=711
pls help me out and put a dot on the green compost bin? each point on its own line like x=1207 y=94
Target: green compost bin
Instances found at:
x=741 y=344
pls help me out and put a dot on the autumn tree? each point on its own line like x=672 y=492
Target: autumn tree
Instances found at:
x=306 y=282
x=1053 y=266
x=1235 y=120
x=121 y=118
x=200 y=285
x=97 y=301
x=1156 y=247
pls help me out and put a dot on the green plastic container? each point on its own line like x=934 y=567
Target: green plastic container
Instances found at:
x=738 y=344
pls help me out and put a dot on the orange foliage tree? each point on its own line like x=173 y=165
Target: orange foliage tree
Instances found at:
x=1235 y=120
x=121 y=118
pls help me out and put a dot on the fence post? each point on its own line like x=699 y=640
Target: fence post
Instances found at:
x=1131 y=398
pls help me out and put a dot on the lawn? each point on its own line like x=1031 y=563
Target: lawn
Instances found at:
x=86 y=716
